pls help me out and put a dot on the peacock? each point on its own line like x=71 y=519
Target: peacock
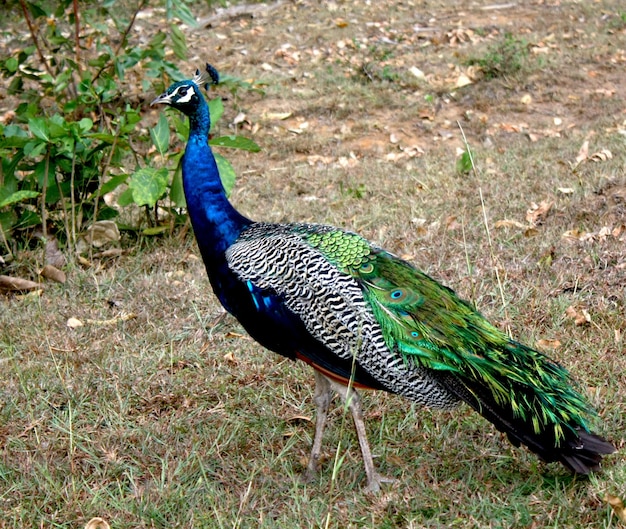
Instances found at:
x=364 y=318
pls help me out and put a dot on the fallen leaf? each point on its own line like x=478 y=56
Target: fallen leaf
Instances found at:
x=97 y=523
x=73 y=323
x=299 y=418
x=601 y=156
x=537 y=212
x=53 y=273
x=548 y=344
x=462 y=80
x=580 y=316
x=103 y=232
x=17 y=284
x=617 y=505
x=239 y=118
x=230 y=357
x=506 y=223
x=583 y=152
x=277 y=115
x=417 y=72
x=54 y=256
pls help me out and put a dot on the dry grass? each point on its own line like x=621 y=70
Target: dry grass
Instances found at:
x=177 y=419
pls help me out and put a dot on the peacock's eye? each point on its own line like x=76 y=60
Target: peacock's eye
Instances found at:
x=183 y=91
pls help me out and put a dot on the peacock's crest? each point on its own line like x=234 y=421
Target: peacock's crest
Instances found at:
x=208 y=77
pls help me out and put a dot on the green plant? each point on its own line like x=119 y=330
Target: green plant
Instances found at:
x=505 y=57
x=152 y=182
x=78 y=89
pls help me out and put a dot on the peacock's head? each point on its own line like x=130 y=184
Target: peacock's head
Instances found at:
x=185 y=95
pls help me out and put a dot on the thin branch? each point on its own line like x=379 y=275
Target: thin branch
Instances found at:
x=33 y=35
x=76 y=34
x=44 y=192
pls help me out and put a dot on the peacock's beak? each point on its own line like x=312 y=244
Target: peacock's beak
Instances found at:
x=163 y=99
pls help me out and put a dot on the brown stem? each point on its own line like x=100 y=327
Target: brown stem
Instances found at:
x=44 y=192
x=76 y=33
x=33 y=34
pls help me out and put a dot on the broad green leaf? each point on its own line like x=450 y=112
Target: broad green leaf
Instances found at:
x=181 y=11
x=227 y=173
x=179 y=44
x=148 y=185
x=11 y=131
x=57 y=127
x=126 y=198
x=18 y=196
x=216 y=109
x=39 y=128
x=160 y=135
x=11 y=64
x=34 y=148
x=235 y=142
x=156 y=230
x=110 y=185
x=464 y=162
x=85 y=124
x=177 y=193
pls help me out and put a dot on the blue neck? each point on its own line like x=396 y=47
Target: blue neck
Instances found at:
x=216 y=223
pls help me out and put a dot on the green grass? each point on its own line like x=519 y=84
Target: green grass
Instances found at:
x=175 y=418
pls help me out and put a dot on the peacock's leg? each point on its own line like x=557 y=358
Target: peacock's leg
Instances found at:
x=323 y=396
x=353 y=400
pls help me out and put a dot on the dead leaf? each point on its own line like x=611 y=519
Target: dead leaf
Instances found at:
x=230 y=358
x=601 y=156
x=54 y=256
x=53 y=273
x=575 y=234
x=462 y=80
x=580 y=316
x=97 y=523
x=277 y=115
x=73 y=323
x=565 y=190
x=583 y=152
x=617 y=505
x=102 y=232
x=548 y=344
x=506 y=223
x=537 y=212
x=299 y=418
x=239 y=118
x=17 y=284
x=417 y=72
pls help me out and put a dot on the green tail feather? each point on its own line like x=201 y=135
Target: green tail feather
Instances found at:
x=520 y=390
x=428 y=324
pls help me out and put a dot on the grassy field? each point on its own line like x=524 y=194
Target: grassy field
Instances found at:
x=160 y=412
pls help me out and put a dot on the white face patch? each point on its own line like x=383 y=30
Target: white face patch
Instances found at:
x=187 y=94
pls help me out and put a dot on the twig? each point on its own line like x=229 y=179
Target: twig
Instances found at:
x=77 y=35
x=33 y=34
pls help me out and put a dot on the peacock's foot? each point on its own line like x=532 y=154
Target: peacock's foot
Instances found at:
x=375 y=480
